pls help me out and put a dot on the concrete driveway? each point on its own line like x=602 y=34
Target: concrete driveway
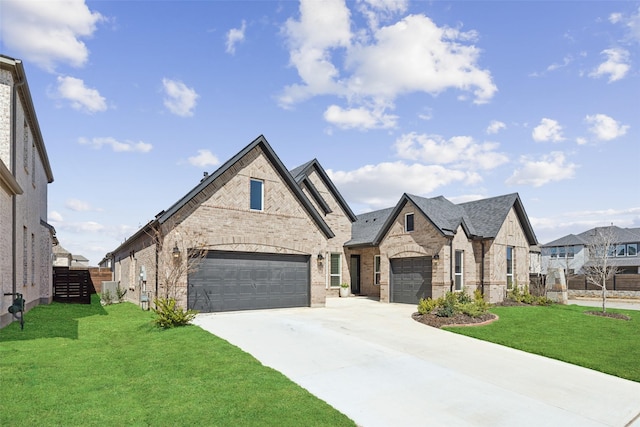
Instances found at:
x=372 y=362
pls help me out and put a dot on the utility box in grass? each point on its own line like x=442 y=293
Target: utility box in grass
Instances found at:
x=109 y=293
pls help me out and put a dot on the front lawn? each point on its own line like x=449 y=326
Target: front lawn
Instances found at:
x=566 y=333
x=82 y=365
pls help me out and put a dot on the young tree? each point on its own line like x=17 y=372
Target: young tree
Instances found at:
x=599 y=268
x=169 y=254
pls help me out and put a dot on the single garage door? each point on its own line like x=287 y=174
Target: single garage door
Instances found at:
x=410 y=279
x=227 y=281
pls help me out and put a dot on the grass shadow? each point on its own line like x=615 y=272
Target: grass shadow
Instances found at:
x=55 y=320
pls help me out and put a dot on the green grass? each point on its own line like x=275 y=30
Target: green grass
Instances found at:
x=566 y=333
x=84 y=365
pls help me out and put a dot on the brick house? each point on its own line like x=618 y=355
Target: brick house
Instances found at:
x=269 y=235
x=25 y=237
x=424 y=247
x=265 y=237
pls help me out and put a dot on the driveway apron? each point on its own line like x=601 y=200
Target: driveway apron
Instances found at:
x=375 y=364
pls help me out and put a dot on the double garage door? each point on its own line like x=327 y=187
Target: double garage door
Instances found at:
x=228 y=281
x=410 y=279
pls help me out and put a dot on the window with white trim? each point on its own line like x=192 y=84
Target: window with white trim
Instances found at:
x=335 y=273
x=632 y=249
x=459 y=270
x=256 y=195
x=376 y=269
x=509 y=267
x=408 y=222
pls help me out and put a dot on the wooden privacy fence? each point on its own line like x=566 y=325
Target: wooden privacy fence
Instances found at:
x=72 y=286
x=619 y=282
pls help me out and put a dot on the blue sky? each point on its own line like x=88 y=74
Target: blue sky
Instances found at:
x=136 y=99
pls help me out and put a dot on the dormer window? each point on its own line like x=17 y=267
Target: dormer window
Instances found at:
x=256 y=196
x=408 y=222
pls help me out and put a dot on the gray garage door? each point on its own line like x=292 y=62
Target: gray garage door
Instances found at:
x=227 y=281
x=410 y=279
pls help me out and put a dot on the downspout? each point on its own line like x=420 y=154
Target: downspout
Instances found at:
x=482 y=268
x=14 y=201
x=155 y=296
x=451 y=265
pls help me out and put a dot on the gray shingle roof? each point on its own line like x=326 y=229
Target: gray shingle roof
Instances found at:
x=568 y=240
x=479 y=219
x=619 y=235
x=367 y=227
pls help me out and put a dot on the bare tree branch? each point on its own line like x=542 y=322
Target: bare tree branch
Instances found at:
x=599 y=268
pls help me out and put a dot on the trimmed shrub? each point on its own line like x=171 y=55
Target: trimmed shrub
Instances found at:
x=171 y=316
x=426 y=305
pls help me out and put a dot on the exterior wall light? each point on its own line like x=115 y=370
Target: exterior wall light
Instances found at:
x=175 y=252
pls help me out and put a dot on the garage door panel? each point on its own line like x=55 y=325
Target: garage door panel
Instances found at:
x=229 y=281
x=410 y=279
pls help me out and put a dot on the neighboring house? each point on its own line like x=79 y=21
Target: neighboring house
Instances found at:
x=79 y=261
x=25 y=237
x=571 y=252
x=424 y=247
x=61 y=257
x=279 y=238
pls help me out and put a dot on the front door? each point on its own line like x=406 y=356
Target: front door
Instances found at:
x=355 y=274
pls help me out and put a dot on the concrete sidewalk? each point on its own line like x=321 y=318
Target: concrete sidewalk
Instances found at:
x=627 y=304
x=375 y=364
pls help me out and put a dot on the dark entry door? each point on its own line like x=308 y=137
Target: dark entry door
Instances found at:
x=227 y=281
x=355 y=274
x=410 y=279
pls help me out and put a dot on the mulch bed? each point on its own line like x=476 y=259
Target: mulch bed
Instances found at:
x=607 y=314
x=457 y=320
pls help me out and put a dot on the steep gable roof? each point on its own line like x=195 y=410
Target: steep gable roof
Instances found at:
x=488 y=215
x=261 y=142
x=301 y=176
x=479 y=219
x=279 y=167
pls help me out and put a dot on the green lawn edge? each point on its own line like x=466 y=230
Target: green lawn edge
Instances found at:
x=566 y=333
x=86 y=365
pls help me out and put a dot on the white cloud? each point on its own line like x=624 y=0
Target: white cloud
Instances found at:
x=78 y=205
x=323 y=27
x=359 y=118
x=180 y=99
x=631 y=24
x=458 y=151
x=48 y=32
x=379 y=186
x=605 y=128
x=547 y=130
x=616 y=66
x=235 y=36
x=82 y=98
x=203 y=159
x=117 y=146
x=55 y=216
x=381 y=10
x=495 y=126
x=549 y=168
x=365 y=71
